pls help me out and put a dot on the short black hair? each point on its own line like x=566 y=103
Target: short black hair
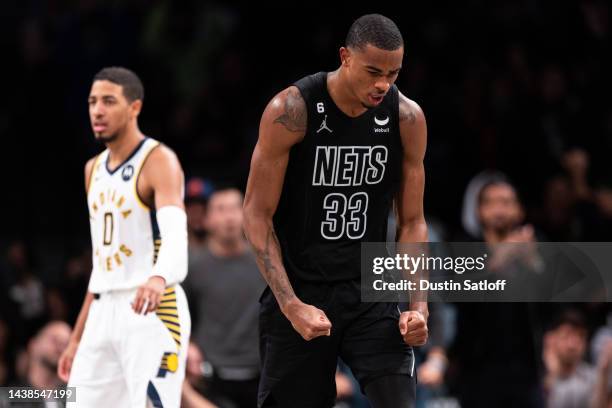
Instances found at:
x=571 y=317
x=225 y=188
x=498 y=181
x=374 y=29
x=132 y=85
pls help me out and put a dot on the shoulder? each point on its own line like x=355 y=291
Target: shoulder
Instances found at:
x=410 y=112
x=161 y=152
x=162 y=169
x=161 y=156
x=89 y=166
x=413 y=128
x=288 y=108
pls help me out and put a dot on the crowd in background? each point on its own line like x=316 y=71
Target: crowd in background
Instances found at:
x=517 y=87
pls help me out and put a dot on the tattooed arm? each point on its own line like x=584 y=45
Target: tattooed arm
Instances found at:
x=283 y=125
x=411 y=225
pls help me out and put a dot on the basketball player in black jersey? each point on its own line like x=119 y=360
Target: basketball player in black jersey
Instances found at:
x=336 y=152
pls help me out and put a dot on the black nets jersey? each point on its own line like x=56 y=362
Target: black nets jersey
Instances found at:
x=339 y=185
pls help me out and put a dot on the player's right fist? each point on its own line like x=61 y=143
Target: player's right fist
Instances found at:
x=65 y=361
x=309 y=321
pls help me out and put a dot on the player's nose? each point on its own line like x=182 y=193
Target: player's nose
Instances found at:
x=382 y=86
x=97 y=110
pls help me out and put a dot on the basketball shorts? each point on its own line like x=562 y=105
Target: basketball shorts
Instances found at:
x=300 y=373
x=129 y=360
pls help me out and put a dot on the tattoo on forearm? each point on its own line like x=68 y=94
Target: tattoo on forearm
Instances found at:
x=279 y=282
x=294 y=115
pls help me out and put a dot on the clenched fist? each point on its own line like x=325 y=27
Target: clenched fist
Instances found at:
x=308 y=321
x=413 y=328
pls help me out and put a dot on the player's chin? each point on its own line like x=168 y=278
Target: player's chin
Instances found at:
x=368 y=105
x=105 y=137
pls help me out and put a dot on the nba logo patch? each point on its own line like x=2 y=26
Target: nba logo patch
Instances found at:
x=127 y=172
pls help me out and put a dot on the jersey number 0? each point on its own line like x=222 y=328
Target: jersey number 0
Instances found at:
x=108 y=228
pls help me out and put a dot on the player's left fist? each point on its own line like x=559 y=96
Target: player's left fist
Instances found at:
x=148 y=295
x=413 y=328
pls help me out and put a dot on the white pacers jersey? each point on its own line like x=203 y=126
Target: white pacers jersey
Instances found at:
x=124 y=232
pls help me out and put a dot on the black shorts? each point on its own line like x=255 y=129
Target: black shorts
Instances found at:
x=296 y=372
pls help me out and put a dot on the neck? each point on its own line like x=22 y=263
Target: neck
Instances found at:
x=342 y=95
x=124 y=145
x=226 y=249
x=493 y=237
x=565 y=370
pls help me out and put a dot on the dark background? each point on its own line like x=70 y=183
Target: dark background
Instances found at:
x=508 y=85
x=505 y=85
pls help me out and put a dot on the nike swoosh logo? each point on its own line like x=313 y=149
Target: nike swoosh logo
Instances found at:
x=381 y=122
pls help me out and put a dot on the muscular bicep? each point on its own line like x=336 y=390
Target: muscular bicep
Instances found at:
x=266 y=179
x=283 y=124
x=163 y=174
x=413 y=130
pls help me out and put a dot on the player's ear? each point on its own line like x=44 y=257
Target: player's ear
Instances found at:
x=345 y=56
x=135 y=107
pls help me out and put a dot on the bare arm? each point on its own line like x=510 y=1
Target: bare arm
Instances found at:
x=161 y=182
x=283 y=125
x=411 y=226
x=163 y=176
x=65 y=362
x=77 y=331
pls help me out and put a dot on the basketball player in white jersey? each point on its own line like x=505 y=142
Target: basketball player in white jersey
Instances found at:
x=128 y=347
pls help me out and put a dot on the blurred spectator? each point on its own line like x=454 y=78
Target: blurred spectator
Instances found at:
x=601 y=225
x=601 y=354
x=197 y=193
x=39 y=361
x=26 y=293
x=43 y=354
x=569 y=381
x=74 y=282
x=469 y=213
x=602 y=397
x=223 y=286
x=496 y=342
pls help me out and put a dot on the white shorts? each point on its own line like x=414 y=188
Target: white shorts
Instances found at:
x=130 y=360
